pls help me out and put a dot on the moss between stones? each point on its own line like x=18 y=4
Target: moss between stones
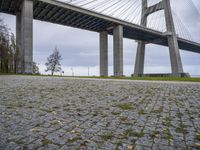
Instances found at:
x=46 y=141
x=198 y=136
x=125 y=106
x=131 y=132
x=107 y=136
x=73 y=140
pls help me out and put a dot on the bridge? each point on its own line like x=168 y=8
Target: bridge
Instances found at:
x=70 y=15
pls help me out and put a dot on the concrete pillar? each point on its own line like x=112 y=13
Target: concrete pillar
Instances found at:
x=118 y=50
x=140 y=56
x=176 y=64
x=18 y=43
x=24 y=30
x=103 y=53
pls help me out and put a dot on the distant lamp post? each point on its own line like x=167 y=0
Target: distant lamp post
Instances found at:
x=88 y=71
x=72 y=72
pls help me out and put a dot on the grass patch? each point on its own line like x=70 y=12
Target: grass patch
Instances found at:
x=48 y=110
x=167 y=122
x=197 y=145
x=160 y=110
x=20 y=142
x=118 y=144
x=181 y=129
x=168 y=136
x=198 y=136
x=150 y=78
x=141 y=112
x=125 y=78
x=73 y=140
x=46 y=141
x=154 y=134
x=123 y=118
x=115 y=113
x=125 y=106
x=131 y=132
x=56 y=122
x=107 y=136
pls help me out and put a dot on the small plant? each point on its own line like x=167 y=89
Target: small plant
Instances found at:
x=56 y=122
x=168 y=136
x=115 y=113
x=181 y=129
x=120 y=143
x=20 y=142
x=167 y=122
x=154 y=134
x=123 y=118
x=56 y=107
x=141 y=112
x=160 y=110
x=125 y=106
x=198 y=136
x=48 y=110
x=46 y=141
x=72 y=140
x=107 y=136
x=131 y=132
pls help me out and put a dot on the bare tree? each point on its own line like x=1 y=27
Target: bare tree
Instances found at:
x=15 y=52
x=53 y=62
x=8 y=50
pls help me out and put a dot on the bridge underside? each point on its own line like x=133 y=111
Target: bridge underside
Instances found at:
x=68 y=15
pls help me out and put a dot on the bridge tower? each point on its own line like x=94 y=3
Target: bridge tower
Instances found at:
x=176 y=64
x=24 y=37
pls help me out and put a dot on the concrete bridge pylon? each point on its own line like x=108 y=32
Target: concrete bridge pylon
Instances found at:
x=175 y=58
x=24 y=37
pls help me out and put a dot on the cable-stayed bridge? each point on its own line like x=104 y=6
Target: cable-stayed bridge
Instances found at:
x=146 y=21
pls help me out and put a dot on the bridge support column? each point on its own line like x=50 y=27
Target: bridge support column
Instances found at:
x=18 y=43
x=140 y=56
x=118 y=50
x=24 y=37
x=176 y=64
x=104 y=53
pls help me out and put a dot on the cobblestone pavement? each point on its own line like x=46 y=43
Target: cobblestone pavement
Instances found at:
x=63 y=113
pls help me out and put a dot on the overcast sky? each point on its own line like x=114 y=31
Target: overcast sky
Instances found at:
x=80 y=48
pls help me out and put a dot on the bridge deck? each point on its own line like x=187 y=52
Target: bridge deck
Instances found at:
x=69 y=15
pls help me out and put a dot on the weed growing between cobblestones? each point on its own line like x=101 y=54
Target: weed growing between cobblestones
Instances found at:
x=160 y=110
x=197 y=145
x=19 y=141
x=123 y=119
x=198 y=136
x=48 y=110
x=107 y=136
x=17 y=103
x=181 y=129
x=72 y=140
x=132 y=133
x=56 y=122
x=125 y=106
x=46 y=142
x=115 y=113
x=168 y=137
x=154 y=134
x=118 y=145
x=141 y=112
x=167 y=122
